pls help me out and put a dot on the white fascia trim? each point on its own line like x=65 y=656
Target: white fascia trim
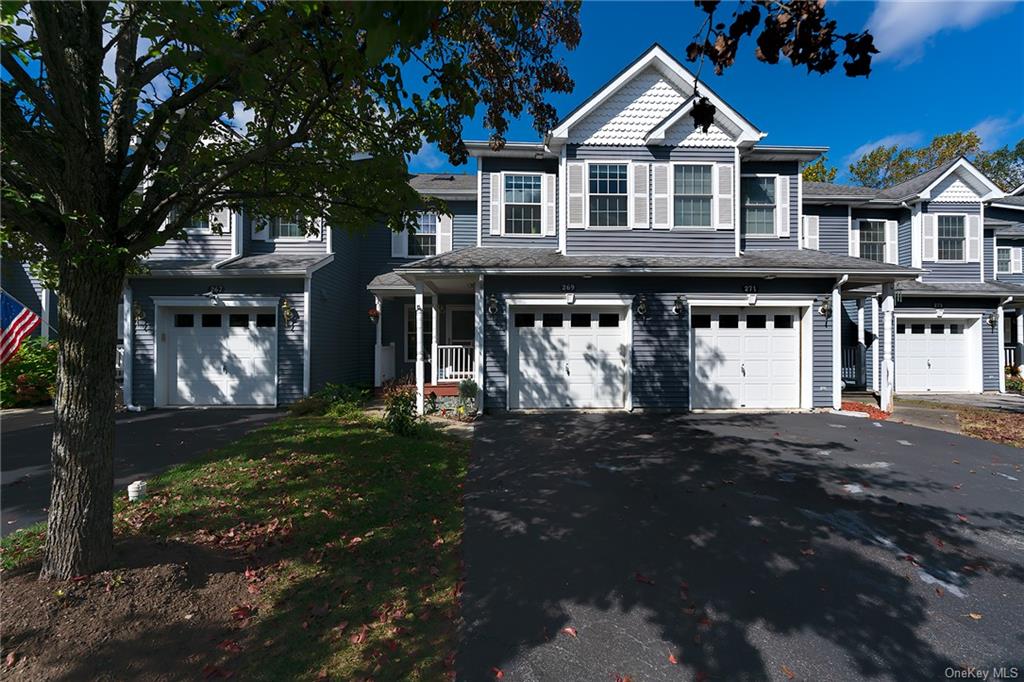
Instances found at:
x=907 y=315
x=246 y=272
x=704 y=272
x=224 y=300
x=562 y=224
x=1015 y=207
x=560 y=299
x=740 y=301
x=993 y=191
x=669 y=67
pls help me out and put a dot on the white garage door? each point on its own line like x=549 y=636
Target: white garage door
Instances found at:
x=746 y=358
x=933 y=355
x=568 y=357
x=222 y=357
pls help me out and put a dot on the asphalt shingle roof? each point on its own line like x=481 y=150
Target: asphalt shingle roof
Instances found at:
x=444 y=184
x=1010 y=201
x=916 y=184
x=389 y=280
x=265 y=262
x=832 y=190
x=530 y=258
x=956 y=288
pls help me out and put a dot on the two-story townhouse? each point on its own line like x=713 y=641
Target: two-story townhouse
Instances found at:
x=1004 y=217
x=631 y=260
x=949 y=322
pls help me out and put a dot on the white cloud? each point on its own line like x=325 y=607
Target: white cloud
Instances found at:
x=898 y=139
x=995 y=130
x=902 y=27
x=428 y=157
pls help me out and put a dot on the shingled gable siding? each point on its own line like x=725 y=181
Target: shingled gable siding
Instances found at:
x=991 y=352
x=492 y=164
x=649 y=241
x=938 y=271
x=791 y=170
x=289 y=339
x=660 y=353
x=833 y=228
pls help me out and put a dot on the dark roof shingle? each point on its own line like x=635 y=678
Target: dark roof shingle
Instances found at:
x=444 y=184
x=831 y=190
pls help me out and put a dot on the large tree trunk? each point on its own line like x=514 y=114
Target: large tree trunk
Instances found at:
x=80 y=526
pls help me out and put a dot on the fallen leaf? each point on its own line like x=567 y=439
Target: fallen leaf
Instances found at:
x=211 y=671
x=230 y=645
x=956 y=487
x=788 y=673
x=939 y=591
x=570 y=631
x=623 y=678
x=243 y=612
x=974 y=616
x=643 y=579
x=962 y=518
x=672 y=659
x=807 y=551
x=11 y=659
x=498 y=673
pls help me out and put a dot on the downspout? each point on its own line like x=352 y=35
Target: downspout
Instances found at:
x=1000 y=341
x=837 y=354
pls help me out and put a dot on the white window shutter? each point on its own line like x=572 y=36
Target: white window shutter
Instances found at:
x=782 y=205
x=260 y=228
x=444 y=233
x=496 y=194
x=576 y=195
x=1016 y=256
x=892 y=244
x=724 y=193
x=973 y=238
x=399 y=244
x=640 y=197
x=929 y=245
x=660 y=196
x=811 y=232
x=547 y=192
x=854 y=238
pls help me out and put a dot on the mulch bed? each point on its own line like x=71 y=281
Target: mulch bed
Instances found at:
x=167 y=611
x=870 y=410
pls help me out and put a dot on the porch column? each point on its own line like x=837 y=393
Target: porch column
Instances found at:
x=435 y=331
x=862 y=348
x=837 y=352
x=419 y=348
x=378 y=369
x=1020 y=339
x=478 y=342
x=888 y=369
x=874 y=346
x=1001 y=343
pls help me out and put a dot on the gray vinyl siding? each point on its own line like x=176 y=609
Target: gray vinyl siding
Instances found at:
x=490 y=165
x=289 y=339
x=991 y=352
x=1013 y=278
x=988 y=256
x=198 y=246
x=660 y=352
x=791 y=169
x=675 y=242
x=334 y=317
x=463 y=224
x=937 y=271
x=292 y=247
x=19 y=283
x=833 y=228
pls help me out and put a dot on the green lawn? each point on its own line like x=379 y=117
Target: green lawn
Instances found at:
x=356 y=534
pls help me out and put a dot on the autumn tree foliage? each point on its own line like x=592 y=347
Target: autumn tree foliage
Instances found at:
x=820 y=171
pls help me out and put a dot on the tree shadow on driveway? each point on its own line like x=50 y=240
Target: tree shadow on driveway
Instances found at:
x=738 y=550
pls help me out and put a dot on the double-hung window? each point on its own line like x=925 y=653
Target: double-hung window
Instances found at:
x=758 y=195
x=424 y=241
x=691 y=196
x=286 y=228
x=522 y=204
x=1003 y=258
x=200 y=222
x=951 y=237
x=609 y=194
x=872 y=240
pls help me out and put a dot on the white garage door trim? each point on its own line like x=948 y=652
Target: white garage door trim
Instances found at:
x=804 y=308
x=973 y=335
x=568 y=301
x=163 y=309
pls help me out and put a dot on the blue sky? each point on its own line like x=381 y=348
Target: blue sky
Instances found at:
x=945 y=66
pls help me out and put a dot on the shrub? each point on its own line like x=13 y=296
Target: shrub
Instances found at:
x=337 y=400
x=30 y=377
x=1015 y=384
x=400 y=409
x=312 y=405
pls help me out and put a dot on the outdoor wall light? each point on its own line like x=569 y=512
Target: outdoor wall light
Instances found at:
x=290 y=314
x=993 y=320
x=678 y=305
x=826 y=308
x=492 y=305
x=641 y=306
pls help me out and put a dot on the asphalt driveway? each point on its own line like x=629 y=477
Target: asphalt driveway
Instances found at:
x=743 y=546
x=146 y=444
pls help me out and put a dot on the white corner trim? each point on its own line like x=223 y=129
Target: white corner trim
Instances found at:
x=128 y=347
x=562 y=224
x=306 y=334
x=807 y=356
x=480 y=203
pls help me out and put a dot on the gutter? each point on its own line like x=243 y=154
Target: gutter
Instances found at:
x=230 y=259
x=905 y=273
x=840 y=282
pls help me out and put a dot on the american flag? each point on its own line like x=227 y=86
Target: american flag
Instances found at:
x=17 y=322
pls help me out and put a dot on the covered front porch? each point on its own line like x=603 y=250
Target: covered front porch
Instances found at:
x=429 y=333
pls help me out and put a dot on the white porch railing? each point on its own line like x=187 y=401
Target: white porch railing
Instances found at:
x=853 y=365
x=455 y=363
x=1010 y=356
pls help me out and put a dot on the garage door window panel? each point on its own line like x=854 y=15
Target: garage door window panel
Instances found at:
x=184 y=320
x=211 y=320
x=238 y=320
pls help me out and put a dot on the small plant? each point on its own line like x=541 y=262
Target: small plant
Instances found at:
x=1015 y=384
x=400 y=409
x=337 y=400
x=431 y=402
x=313 y=405
x=468 y=392
x=30 y=377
